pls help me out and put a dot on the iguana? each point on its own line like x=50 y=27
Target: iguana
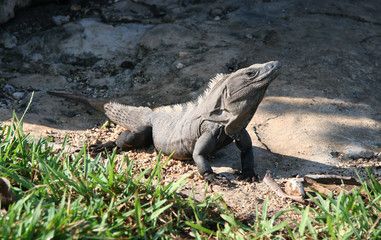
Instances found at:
x=199 y=128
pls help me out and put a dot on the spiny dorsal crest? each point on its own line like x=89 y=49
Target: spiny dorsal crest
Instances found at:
x=129 y=117
x=183 y=106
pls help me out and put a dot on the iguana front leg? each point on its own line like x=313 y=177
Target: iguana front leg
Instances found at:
x=202 y=149
x=137 y=138
x=247 y=157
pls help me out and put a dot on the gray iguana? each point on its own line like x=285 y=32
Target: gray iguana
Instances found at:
x=199 y=128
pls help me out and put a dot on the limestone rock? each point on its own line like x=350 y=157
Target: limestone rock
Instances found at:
x=7 y=8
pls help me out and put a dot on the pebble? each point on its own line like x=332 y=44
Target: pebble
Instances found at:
x=180 y=65
x=37 y=57
x=8 y=41
x=356 y=153
x=249 y=36
x=3 y=102
x=9 y=88
x=127 y=64
x=59 y=20
x=18 y=95
x=71 y=114
x=294 y=187
x=183 y=54
x=216 y=12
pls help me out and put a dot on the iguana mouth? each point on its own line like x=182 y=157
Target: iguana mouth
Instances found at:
x=273 y=69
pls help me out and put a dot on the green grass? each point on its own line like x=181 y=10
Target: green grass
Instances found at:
x=353 y=216
x=72 y=196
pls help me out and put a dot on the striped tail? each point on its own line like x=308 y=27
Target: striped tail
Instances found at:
x=128 y=117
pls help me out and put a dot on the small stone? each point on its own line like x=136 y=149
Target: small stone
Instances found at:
x=216 y=12
x=355 y=94
x=70 y=114
x=335 y=154
x=127 y=64
x=183 y=54
x=37 y=57
x=8 y=41
x=60 y=20
x=358 y=152
x=9 y=88
x=3 y=101
x=294 y=187
x=18 y=95
x=271 y=38
x=75 y=7
x=180 y=65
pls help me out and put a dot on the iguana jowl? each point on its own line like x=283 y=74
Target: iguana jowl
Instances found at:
x=198 y=129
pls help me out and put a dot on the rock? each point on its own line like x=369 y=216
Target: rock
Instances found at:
x=100 y=82
x=39 y=81
x=7 y=8
x=8 y=88
x=176 y=35
x=179 y=65
x=215 y=12
x=60 y=20
x=7 y=197
x=92 y=37
x=354 y=152
x=127 y=11
x=334 y=154
x=183 y=54
x=37 y=57
x=294 y=187
x=127 y=64
x=18 y=95
x=71 y=114
x=8 y=41
x=271 y=38
x=4 y=102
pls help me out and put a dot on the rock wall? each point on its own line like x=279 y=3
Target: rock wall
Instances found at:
x=7 y=8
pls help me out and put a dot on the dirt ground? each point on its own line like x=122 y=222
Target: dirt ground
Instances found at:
x=321 y=116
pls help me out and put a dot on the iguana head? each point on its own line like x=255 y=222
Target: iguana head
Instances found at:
x=246 y=82
x=244 y=90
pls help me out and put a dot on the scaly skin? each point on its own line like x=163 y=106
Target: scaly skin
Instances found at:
x=200 y=128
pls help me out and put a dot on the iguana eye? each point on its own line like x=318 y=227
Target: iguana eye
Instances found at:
x=250 y=74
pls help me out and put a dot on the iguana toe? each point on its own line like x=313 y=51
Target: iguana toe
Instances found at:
x=97 y=148
x=248 y=177
x=217 y=179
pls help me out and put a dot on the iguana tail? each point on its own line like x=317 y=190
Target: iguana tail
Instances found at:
x=94 y=103
x=127 y=116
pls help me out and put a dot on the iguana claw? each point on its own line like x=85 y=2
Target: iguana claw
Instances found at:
x=218 y=179
x=248 y=177
x=97 y=148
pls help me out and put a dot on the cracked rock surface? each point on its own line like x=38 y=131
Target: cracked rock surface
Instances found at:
x=322 y=115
